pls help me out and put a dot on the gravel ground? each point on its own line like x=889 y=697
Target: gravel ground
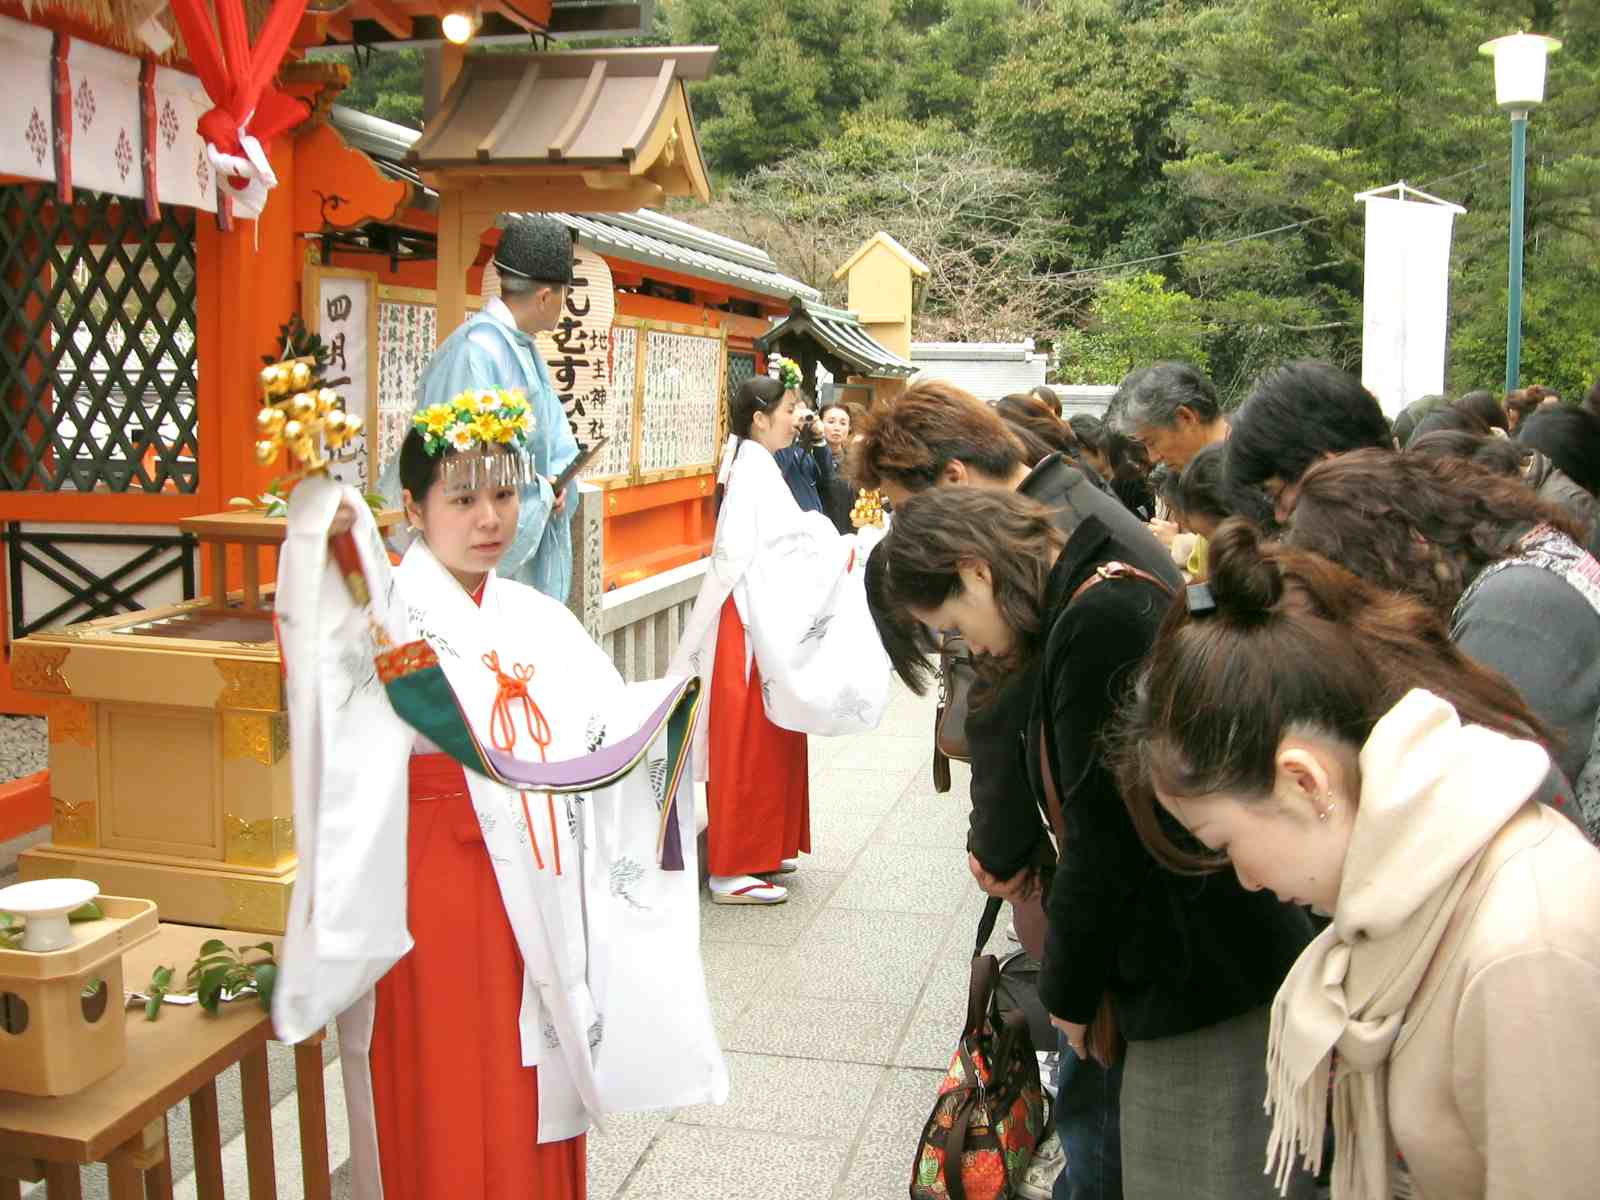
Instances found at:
x=23 y=748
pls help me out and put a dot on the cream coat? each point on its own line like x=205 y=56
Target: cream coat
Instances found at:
x=1494 y=1079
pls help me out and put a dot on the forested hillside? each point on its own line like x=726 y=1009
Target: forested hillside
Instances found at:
x=1125 y=179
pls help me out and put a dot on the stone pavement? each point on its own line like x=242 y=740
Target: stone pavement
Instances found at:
x=837 y=1010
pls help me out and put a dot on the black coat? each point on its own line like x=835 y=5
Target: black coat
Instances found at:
x=838 y=496
x=1007 y=832
x=1177 y=952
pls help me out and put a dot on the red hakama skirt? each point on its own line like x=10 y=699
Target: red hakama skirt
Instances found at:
x=758 y=789
x=457 y=1112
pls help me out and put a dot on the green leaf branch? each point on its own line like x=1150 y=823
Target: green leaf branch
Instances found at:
x=220 y=970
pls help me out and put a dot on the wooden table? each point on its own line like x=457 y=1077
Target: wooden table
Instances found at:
x=121 y=1119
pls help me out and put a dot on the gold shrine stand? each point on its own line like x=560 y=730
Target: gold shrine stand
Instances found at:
x=169 y=747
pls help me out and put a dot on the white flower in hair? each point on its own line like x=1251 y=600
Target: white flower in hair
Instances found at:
x=529 y=421
x=461 y=437
x=488 y=399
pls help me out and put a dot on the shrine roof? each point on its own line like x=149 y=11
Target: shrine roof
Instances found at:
x=511 y=113
x=648 y=238
x=839 y=336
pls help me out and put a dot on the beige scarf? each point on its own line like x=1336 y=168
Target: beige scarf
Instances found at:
x=1433 y=795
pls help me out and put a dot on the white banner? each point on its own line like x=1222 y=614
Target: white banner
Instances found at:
x=108 y=137
x=1406 y=299
x=25 y=149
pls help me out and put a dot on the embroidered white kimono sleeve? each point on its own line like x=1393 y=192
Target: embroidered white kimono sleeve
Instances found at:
x=798 y=585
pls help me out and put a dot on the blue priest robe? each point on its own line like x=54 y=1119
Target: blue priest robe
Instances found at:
x=489 y=351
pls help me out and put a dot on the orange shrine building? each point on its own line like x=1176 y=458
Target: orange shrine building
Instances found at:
x=136 y=310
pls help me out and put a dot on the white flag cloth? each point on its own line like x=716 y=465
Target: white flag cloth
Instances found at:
x=799 y=588
x=1406 y=300
x=614 y=1008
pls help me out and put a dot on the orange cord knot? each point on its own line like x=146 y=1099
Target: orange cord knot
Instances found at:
x=513 y=689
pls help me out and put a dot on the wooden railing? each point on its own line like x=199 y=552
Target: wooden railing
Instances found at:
x=640 y=624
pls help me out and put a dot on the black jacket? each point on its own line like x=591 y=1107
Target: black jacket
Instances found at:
x=1177 y=952
x=1554 y=487
x=838 y=496
x=1006 y=830
x=808 y=470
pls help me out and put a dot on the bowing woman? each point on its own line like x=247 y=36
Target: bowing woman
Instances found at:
x=1189 y=966
x=782 y=636
x=1327 y=741
x=505 y=931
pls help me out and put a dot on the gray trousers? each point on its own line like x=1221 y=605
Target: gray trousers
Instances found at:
x=1192 y=1122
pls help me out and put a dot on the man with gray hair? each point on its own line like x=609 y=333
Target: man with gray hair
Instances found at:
x=1170 y=407
x=494 y=348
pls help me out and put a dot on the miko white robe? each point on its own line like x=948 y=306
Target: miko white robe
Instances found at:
x=614 y=1010
x=799 y=587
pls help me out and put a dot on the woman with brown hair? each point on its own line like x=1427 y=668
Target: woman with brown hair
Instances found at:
x=1189 y=964
x=1505 y=571
x=1327 y=739
x=1040 y=431
x=1523 y=402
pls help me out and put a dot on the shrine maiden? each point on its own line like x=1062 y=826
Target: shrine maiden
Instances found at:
x=782 y=636
x=495 y=348
x=509 y=965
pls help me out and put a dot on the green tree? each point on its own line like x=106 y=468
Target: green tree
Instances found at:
x=1293 y=107
x=947 y=64
x=1132 y=321
x=1086 y=94
x=388 y=86
x=788 y=71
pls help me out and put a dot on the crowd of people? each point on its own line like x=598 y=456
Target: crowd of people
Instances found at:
x=1286 y=720
x=1283 y=745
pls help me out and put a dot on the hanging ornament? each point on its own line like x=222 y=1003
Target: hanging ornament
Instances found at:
x=248 y=112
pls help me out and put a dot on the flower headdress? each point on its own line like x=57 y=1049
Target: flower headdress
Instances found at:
x=476 y=420
x=785 y=370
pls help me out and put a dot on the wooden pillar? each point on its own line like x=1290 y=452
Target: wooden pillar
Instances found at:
x=246 y=286
x=453 y=260
x=456 y=248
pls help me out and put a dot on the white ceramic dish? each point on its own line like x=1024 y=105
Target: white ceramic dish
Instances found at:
x=44 y=904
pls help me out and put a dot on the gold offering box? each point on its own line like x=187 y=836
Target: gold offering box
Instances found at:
x=169 y=748
x=63 y=1009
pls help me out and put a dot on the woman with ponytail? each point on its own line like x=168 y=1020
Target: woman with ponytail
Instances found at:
x=1327 y=739
x=1183 y=967
x=781 y=637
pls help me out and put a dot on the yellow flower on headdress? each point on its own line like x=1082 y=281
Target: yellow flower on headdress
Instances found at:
x=489 y=428
x=466 y=402
x=437 y=419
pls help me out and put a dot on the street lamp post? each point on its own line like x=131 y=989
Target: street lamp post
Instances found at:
x=1519 y=69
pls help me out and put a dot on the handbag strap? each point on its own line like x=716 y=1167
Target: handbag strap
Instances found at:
x=1119 y=570
x=980 y=991
x=955 y=1145
x=1104 y=573
x=986 y=923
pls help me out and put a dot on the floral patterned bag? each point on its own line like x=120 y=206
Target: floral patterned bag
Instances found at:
x=990 y=1114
